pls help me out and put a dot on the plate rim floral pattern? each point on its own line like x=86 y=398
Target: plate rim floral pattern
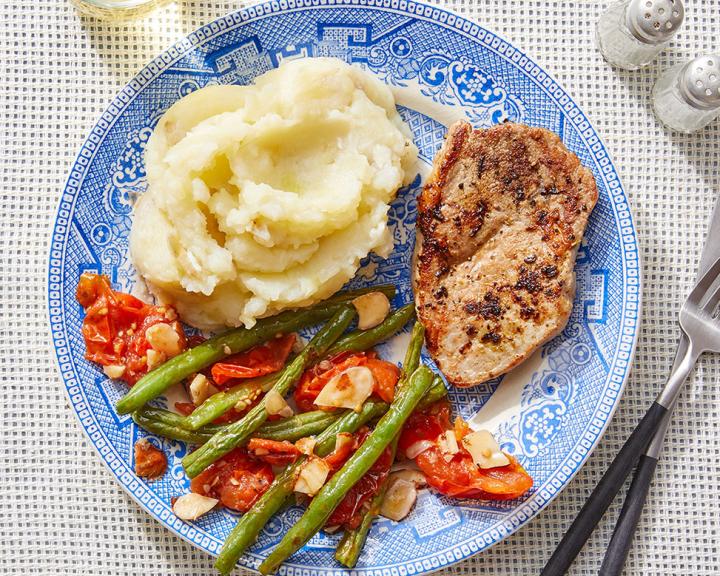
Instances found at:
x=630 y=260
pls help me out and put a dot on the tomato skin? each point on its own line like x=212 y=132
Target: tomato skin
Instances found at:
x=150 y=462
x=237 y=480
x=349 y=512
x=315 y=378
x=461 y=478
x=115 y=324
x=257 y=361
x=386 y=377
x=274 y=452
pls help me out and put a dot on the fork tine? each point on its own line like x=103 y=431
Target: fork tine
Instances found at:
x=705 y=284
x=712 y=300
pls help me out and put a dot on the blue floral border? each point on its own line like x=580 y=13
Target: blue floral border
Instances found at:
x=622 y=357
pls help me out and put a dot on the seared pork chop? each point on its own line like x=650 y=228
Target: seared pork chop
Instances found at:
x=500 y=219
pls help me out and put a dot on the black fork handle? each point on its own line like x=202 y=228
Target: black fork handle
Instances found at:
x=622 y=537
x=604 y=493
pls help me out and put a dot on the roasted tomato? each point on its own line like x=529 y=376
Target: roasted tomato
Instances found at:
x=258 y=361
x=349 y=512
x=459 y=477
x=273 y=452
x=115 y=328
x=150 y=462
x=425 y=425
x=237 y=480
x=314 y=379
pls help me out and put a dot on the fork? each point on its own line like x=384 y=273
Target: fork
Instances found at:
x=701 y=329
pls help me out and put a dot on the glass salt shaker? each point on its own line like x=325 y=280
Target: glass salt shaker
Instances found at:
x=632 y=32
x=687 y=96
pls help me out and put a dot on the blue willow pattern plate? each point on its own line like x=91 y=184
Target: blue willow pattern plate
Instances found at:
x=549 y=413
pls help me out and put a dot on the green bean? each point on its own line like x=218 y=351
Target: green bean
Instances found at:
x=325 y=501
x=248 y=527
x=351 y=544
x=217 y=404
x=364 y=339
x=298 y=426
x=412 y=354
x=154 y=383
x=437 y=392
x=168 y=425
x=239 y=432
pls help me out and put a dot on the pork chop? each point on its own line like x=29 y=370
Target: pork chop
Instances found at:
x=499 y=222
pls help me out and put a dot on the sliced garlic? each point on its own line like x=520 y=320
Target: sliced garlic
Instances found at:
x=192 y=506
x=114 y=371
x=409 y=475
x=154 y=358
x=163 y=338
x=399 y=499
x=484 y=450
x=414 y=450
x=201 y=389
x=312 y=477
x=275 y=404
x=372 y=309
x=306 y=445
x=349 y=389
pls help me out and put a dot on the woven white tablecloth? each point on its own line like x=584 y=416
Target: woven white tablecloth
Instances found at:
x=62 y=513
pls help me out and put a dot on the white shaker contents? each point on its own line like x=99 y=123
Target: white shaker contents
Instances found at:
x=687 y=96
x=631 y=33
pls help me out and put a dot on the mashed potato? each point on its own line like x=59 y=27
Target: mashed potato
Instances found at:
x=265 y=197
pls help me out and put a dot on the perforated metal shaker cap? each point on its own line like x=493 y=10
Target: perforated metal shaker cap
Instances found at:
x=654 y=21
x=700 y=81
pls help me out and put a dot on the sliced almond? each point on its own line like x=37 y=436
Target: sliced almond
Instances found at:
x=163 y=338
x=399 y=499
x=114 y=371
x=409 y=475
x=306 y=445
x=201 y=389
x=312 y=477
x=447 y=442
x=192 y=506
x=275 y=404
x=349 y=389
x=485 y=450
x=372 y=309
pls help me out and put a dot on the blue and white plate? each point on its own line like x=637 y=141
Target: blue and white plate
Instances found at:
x=549 y=413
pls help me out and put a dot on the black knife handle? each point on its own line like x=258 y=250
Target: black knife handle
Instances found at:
x=621 y=540
x=604 y=493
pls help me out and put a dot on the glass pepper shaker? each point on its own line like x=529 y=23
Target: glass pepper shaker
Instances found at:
x=687 y=96
x=632 y=32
